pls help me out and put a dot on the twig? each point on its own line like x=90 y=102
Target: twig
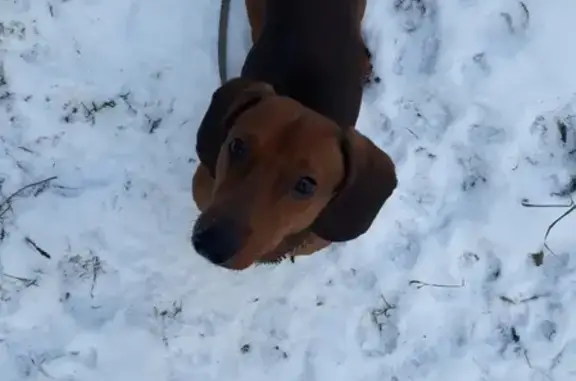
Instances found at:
x=154 y=124
x=525 y=352
x=423 y=284
x=96 y=269
x=528 y=204
x=526 y=20
x=42 y=252
x=534 y=297
x=412 y=133
x=525 y=300
x=4 y=205
x=124 y=97
x=387 y=307
x=507 y=299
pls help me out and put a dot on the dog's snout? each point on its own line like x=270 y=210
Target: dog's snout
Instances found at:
x=218 y=242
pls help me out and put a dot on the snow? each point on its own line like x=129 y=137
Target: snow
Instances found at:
x=98 y=280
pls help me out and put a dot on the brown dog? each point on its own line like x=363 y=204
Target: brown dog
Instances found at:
x=282 y=171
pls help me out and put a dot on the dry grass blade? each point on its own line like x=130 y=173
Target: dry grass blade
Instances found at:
x=420 y=284
x=27 y=282
x=564 y=215
x=571 y=209
x=4 y=205
x=528 y=204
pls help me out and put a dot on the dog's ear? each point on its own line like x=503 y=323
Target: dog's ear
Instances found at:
x=228 y=102
x=369 y=181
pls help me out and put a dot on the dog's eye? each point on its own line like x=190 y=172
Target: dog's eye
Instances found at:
x=304 y=187
x=237 y=148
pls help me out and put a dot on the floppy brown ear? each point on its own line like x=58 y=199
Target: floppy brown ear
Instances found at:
x=369 y=182
x=228 y=102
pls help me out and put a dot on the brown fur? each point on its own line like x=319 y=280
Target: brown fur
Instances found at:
x=295 y=109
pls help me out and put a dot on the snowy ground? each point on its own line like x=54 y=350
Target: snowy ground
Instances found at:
x=98 y=281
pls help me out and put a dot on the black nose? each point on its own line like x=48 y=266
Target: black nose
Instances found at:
x=217 y=242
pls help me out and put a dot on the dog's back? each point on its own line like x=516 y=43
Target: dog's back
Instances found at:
x=311 y=50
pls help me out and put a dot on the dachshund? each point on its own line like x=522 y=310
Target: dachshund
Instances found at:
x=282 y=171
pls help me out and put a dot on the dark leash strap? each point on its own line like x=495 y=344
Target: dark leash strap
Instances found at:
x=223 y=39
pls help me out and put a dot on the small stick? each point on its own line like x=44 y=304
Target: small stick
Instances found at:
x=423 y=284
x=42 y=252
x=527 y=204
x=526 y=20
x=525 y=300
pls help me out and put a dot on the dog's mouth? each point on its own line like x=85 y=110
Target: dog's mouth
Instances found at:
x=237 y=263
x=241 y=262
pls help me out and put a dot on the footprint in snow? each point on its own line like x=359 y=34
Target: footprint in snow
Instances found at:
x=80 y=292
x=426 y=118
x=377 y=332
x=405 y=247
x=418 y=18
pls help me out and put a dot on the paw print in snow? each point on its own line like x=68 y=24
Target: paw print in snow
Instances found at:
x=360 y=279
x=377 y=333
x=427 y=119
x=404 y=247
x=80 y=295
x=12 y=29
x=474 y=168
x=413 y=13
x=419 y=21
x=479 y=134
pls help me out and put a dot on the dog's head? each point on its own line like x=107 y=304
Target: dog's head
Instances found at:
x=280 y=168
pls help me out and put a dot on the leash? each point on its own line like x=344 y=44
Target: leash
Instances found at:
x=223 y=39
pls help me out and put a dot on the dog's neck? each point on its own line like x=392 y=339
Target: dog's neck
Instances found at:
x=286 y=248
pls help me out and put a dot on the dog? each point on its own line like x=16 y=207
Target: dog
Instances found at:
x=282 y=171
